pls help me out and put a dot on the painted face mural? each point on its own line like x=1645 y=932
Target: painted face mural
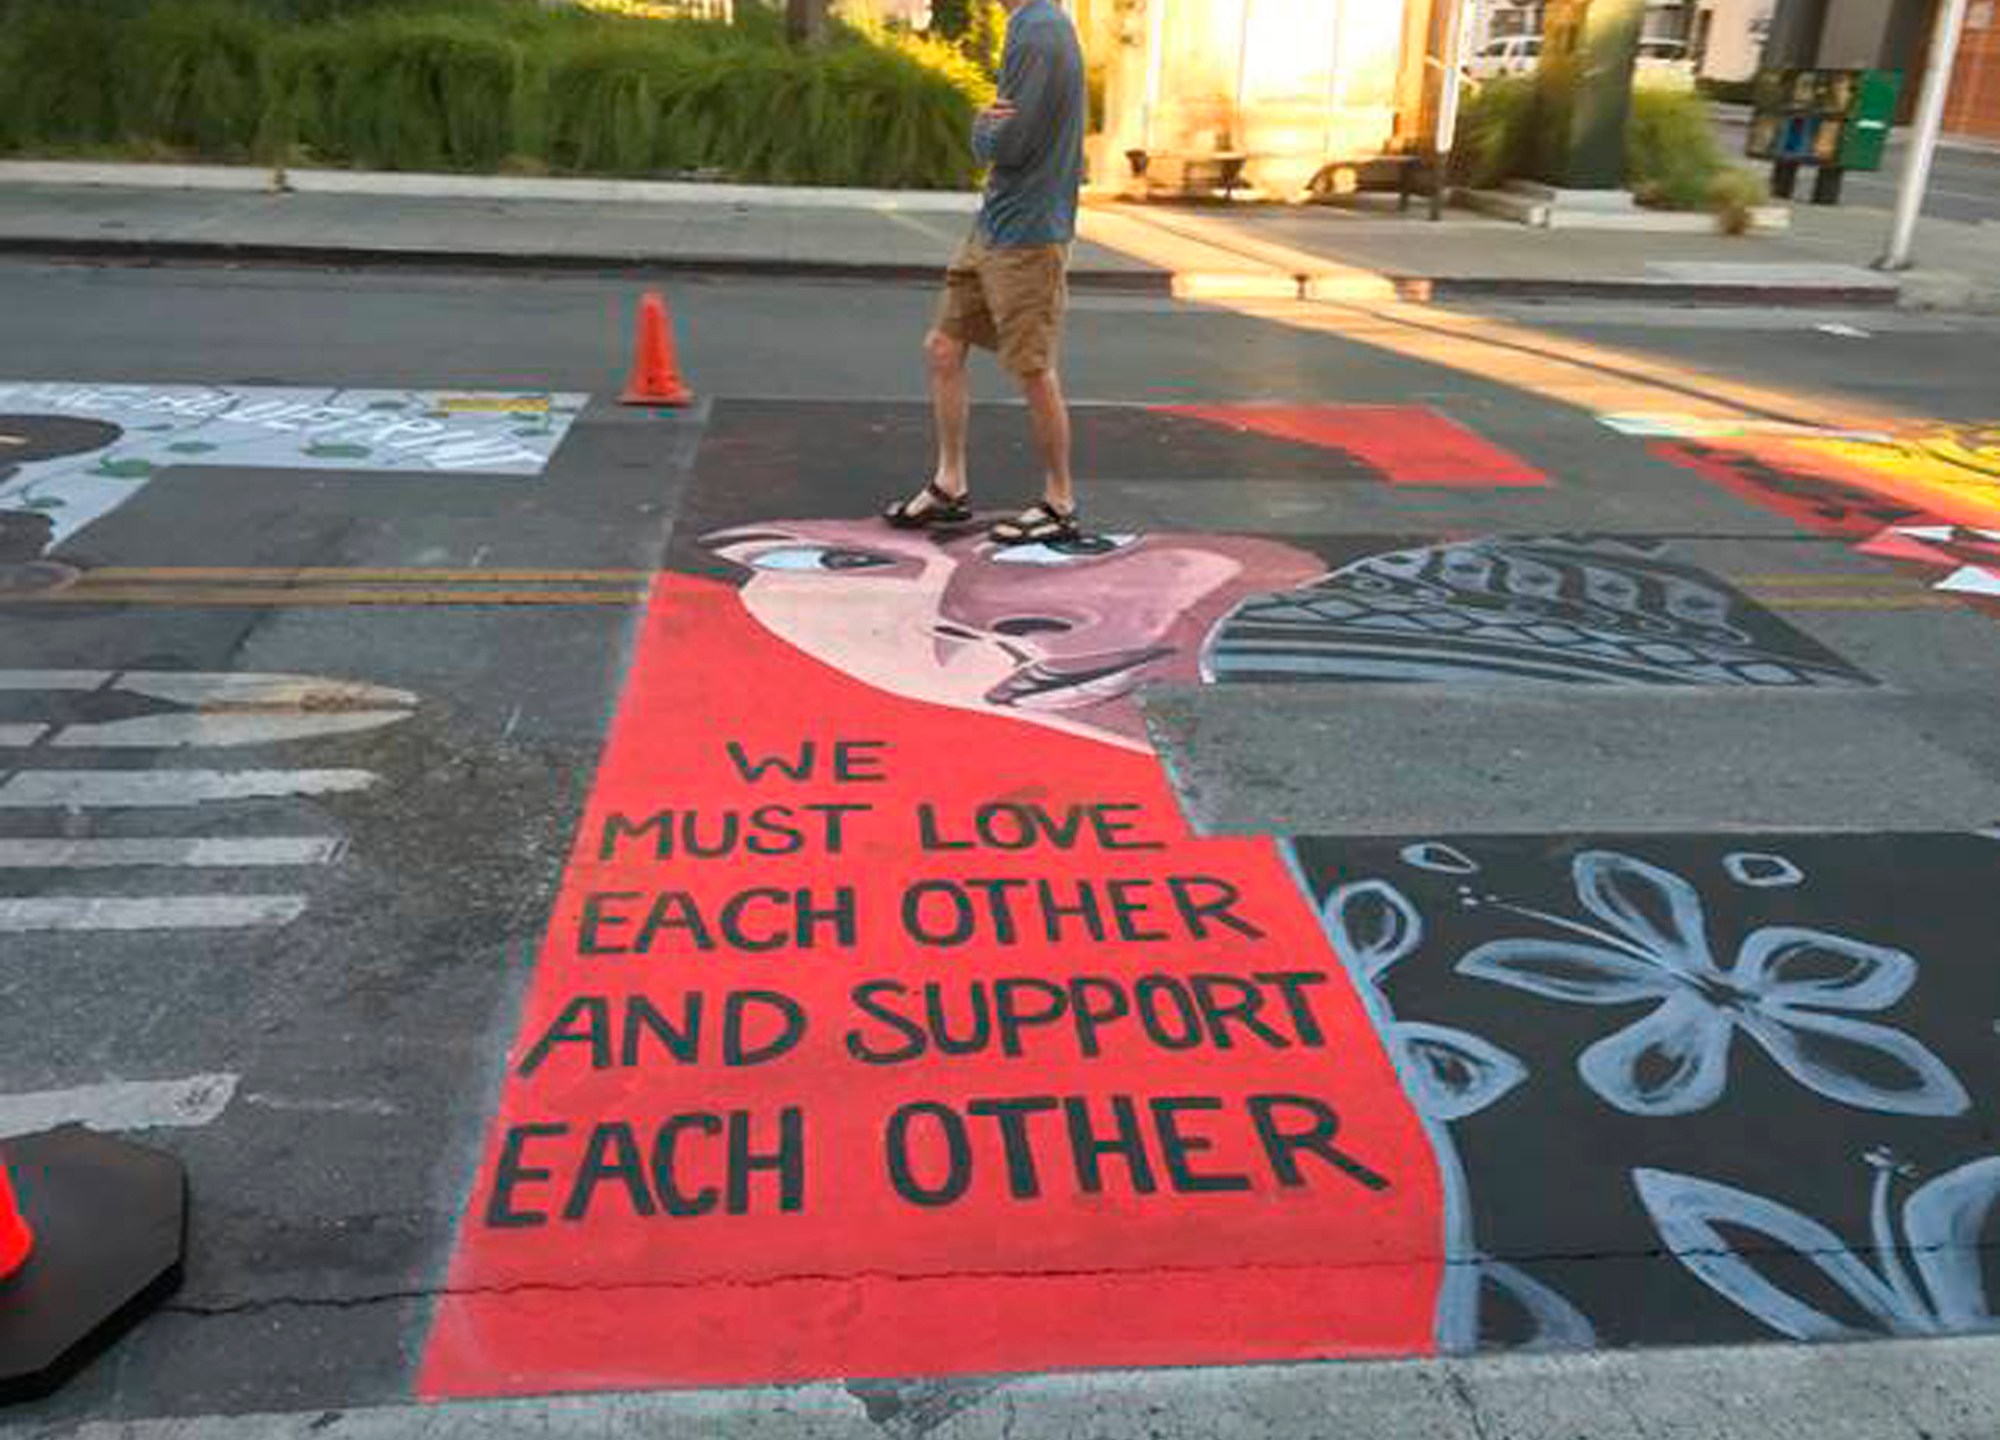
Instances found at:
x=1063 y=637
x=1068 y=637
x=893 y=1021
x=30 y=440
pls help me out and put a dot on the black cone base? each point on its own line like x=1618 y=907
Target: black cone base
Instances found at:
x=109 y=1219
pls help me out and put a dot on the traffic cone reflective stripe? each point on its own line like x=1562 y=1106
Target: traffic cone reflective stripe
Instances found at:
x=656 y=376
x=17 y=1241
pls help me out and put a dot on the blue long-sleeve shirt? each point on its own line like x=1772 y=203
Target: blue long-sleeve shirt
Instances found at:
x=1037 y=156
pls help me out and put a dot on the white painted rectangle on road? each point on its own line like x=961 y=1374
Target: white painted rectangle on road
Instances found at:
x=45 y=914
x=54 y=679
x=121 y=1105
x=140 y=789
x=271 y=850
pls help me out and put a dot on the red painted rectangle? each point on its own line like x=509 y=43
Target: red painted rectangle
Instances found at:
x=1231 y=1240
x=1407 y=444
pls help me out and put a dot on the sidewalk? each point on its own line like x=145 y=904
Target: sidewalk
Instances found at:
x=1246 y=251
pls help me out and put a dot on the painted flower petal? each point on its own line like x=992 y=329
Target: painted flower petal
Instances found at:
x=1372 y=926
x=1946 y=1224
x=1564 y=970
x=1673 y=1062
x=1826 y=972
x=1655 y=907
x=1690 y=1213
x=1856 y=1062
x=1450 y=1074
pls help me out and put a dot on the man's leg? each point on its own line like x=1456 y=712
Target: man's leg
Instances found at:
x=1050 y=418
x=951 y=405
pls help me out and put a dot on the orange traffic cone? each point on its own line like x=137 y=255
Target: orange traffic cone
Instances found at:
x=656 y=377
x=17 y=1241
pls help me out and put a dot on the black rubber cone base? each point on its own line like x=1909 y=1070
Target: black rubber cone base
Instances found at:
x=110 y=1221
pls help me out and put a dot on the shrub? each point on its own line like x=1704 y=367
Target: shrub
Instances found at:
x=1496 y=133
x=192 y=77
x=62 y=88
x=485 y=85
x=1672 y=157
x=1734 y=196
x=423 y=91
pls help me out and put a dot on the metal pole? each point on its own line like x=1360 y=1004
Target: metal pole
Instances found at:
x=1242 y=76
x=1924 y=135
x=1452 y=61
x=1156 y=40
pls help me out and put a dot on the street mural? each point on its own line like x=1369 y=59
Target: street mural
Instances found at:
x=892 y=1022
x=1929 y=500
x=71 y=453
x=1751 y=1079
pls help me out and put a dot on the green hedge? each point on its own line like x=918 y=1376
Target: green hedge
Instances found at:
x=1672 y=157
x=478 y=85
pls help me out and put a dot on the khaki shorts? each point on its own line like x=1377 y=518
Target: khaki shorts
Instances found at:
x=1009 y=299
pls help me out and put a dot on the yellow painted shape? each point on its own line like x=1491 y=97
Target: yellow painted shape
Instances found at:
x=494 y=404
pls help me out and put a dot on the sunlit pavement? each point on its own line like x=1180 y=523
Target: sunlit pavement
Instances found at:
x=1486 y=847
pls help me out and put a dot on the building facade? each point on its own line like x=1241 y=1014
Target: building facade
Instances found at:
x=1288 y=85
x=1729 y=37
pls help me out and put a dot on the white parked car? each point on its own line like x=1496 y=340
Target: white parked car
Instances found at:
x=1661 y=62
x=1665 y=63
x=1509 y=55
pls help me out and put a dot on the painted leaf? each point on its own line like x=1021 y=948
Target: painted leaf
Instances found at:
x=1654 y=907
x=1690 y=1213
x=1450 y=1074
x=124 y=469
x=191 y=447
x=1856 y=1062
x=1948 y=1226
x=1372 y=925
x=1565 y=970
x=1557 y=1324
x=1673 y=1062
x=332 y=451
x=1828 y=972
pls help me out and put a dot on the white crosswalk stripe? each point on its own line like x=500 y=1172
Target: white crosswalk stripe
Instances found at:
x=152 y=789
x=149 y=912
x=276 y=850
x=120 y=1105
x=176 y=712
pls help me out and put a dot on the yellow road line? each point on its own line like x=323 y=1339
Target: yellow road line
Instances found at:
x=192 y=597
x=311 y=575
x=1861 y=602
x=1813 y=582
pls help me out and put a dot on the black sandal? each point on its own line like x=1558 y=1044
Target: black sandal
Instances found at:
x=945 y=509
x=1039 y=524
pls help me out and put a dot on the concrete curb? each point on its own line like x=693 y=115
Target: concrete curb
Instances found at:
x=425 y=185
x=1944 y=1389
x=1658 y=292
x=229 y=252
x=1341 y=287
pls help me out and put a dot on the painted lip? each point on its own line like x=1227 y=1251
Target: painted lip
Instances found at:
x=1073 y=681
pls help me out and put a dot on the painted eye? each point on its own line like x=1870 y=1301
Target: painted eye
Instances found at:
x=1063 y=552
x=817 y=558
